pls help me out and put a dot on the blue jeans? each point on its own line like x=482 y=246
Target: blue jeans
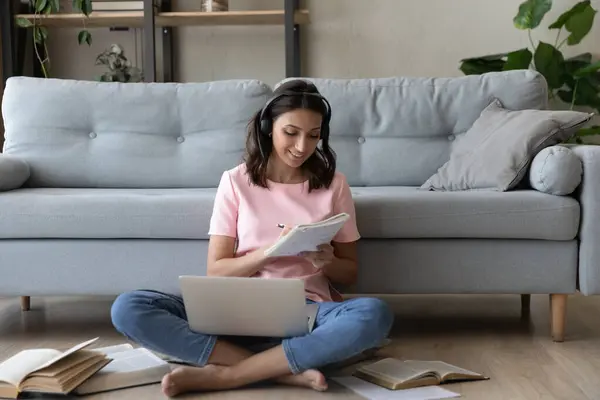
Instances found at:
x=342 y=330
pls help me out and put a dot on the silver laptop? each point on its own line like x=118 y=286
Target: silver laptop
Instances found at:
x=247 y=306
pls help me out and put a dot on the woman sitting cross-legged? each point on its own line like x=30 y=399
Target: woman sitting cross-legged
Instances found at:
x=286 y=178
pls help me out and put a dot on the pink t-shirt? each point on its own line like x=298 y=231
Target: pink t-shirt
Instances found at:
x=251 y=213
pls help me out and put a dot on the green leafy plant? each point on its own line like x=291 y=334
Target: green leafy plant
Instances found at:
x=119 y=67
x=575 y=80
x=40 y=32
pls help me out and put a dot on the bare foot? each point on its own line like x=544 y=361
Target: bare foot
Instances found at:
x=214 y=377
x=193 y=379
x=311 y=379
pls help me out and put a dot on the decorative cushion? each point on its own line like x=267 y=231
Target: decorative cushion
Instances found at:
x=495 y=152
x=556 y=170
x=13 y=172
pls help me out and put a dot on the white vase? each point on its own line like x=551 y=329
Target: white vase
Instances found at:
x=215 y=5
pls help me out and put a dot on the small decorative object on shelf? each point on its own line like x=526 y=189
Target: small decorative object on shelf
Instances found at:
x=215 y=5
x=119 y=67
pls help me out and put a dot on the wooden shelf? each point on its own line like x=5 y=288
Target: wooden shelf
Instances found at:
x=184 y=18
x=193 y=18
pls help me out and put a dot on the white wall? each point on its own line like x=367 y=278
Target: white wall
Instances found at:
x=346 y=38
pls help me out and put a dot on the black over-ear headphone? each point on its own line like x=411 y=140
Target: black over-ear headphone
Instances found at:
x=265 y=123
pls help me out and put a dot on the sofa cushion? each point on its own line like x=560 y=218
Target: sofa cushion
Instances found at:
x=403 y=212
x=119 y=135
x=410 y=124
x=14 y=172
x=382 y=212
x=556 y=170
x=106 y=213
x=495 y=153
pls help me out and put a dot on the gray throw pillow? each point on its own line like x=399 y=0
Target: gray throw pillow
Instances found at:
x=556 y=170
x=13 y=172
x=495 y=152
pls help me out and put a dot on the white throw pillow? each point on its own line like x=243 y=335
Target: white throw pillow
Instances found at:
x=556 y=170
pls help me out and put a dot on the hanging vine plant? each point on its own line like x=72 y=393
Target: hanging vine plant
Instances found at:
x=40 y=32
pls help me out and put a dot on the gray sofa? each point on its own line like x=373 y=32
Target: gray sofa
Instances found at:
x=122 y=177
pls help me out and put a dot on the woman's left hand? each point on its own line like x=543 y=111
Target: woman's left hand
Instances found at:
x=323 y=256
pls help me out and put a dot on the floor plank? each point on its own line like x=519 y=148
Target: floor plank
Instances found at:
x=486 y=334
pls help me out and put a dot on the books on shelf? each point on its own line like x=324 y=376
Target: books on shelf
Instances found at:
x=306 y=237
x=395 y=374
x=49 y=370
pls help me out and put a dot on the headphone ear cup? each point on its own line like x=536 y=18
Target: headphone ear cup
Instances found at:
x=265 y=126
x=325 y=133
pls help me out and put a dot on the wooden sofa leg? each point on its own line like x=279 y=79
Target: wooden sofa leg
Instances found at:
x=25 y=303
x=525 y=303
x=558 y=314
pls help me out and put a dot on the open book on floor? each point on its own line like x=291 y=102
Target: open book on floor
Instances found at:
x=49 y=370
x=130 y=367
x=397 y=374
x=307 y=237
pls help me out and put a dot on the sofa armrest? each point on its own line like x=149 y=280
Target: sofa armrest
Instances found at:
x=589 y=231
x=14 y=172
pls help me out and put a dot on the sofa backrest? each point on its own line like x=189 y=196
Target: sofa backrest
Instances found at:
x=91 y=134
x=399 y=131
x=385 y=131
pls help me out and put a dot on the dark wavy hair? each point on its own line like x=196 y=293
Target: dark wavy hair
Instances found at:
x=320 y=166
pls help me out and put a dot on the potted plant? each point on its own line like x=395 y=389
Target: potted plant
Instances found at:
x=119 y=67
x=575 y=80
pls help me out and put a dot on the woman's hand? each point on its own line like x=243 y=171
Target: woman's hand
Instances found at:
x=284 y=231
x=320 y=258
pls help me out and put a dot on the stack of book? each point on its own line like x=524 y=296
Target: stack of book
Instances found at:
x=79 y=370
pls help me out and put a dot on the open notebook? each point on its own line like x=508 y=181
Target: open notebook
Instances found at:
x=306 y=237
x=49 y=370
x=397 y=374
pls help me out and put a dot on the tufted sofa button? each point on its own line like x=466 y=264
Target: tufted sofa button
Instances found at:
x=361 y=139
x=451 y=137
x=180 y=139
x=93 y=135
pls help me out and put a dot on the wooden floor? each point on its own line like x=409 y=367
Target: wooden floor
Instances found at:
x=482 y=333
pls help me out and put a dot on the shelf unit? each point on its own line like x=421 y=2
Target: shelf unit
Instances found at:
x=135 y=19
x=153 y=17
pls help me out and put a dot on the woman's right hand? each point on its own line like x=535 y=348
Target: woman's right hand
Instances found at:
x=284 y=231
x=223 y=262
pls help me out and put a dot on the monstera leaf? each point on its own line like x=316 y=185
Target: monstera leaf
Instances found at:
x=550 y=63
x=482 y=65
x=588 y=70
x=531 y=13
x=519 y=59
x=578 y=21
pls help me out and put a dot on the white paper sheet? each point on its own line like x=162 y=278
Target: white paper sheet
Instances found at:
x=373 y=392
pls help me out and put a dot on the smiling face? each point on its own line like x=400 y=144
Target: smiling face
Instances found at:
x=296 y=135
